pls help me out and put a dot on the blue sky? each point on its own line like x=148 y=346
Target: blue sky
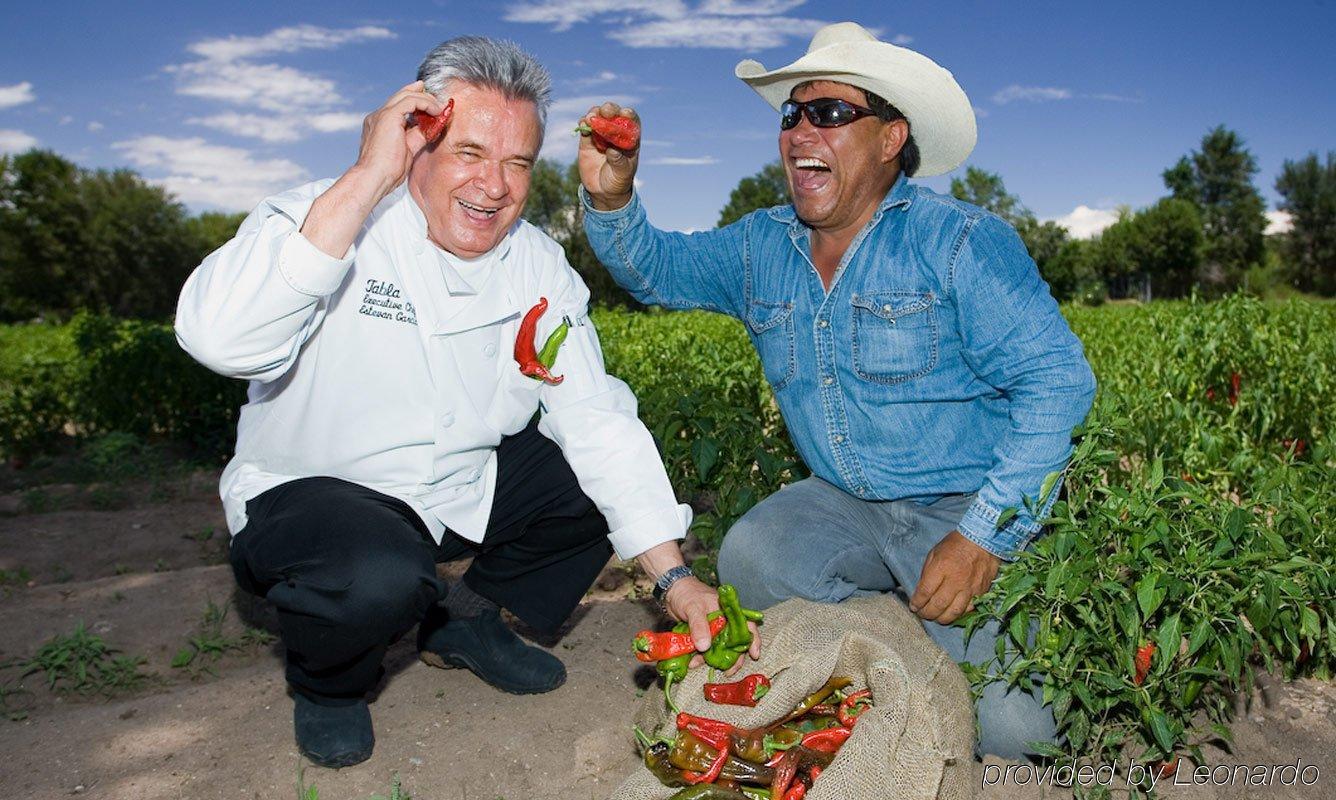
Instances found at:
x=1079 y=105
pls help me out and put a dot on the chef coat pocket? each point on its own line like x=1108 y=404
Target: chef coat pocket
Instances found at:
x=771 y=328
x=894 y=335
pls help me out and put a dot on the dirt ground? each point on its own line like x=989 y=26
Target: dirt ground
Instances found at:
x=148 y=578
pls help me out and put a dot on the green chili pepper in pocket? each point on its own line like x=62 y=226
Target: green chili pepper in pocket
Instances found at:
x=548 y=355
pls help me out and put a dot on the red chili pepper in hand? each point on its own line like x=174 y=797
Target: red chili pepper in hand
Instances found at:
x=619 y=133
x=738 y=693
x=433 y=127
x=859 y=700
x=1144 y=654
x=526 y=351
x=828 y=740
x=650 y=646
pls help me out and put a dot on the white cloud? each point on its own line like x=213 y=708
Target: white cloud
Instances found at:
x=728 y=33
x=679 y=161
x=284 y=40
x=1084 y=222
x=267 y=86
x=562 y=14
x=12 y=141
x=1033 y=94
x=902 y=39
x=1278 y=222
x=563 y=115
x=1114 y=98
x=95 y=126
x=747 y=8
x=724 y=24
x=605 y=76
x=197 y=172
x=980 y=113
x=279 y=103
x=281 y=127
x=16 y=95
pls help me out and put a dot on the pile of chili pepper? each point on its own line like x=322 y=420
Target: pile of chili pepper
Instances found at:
x=712 y=760
x=730 y=638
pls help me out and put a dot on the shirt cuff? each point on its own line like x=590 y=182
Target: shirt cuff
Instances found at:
x=608 y=217
x=979 y=525
x=310 y=270
x=654 y=528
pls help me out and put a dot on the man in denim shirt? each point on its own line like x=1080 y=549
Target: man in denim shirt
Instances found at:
x=923 y=369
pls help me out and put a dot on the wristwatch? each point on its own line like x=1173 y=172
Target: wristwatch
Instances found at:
x=667 y=579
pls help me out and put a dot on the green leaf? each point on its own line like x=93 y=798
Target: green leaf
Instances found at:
x=1200 y=633
x=1167 y=640
x=704 y=455
x=1047 y=749
x=183 y=657
x=1310 y=625
x=1159 y=726
x=1147 y=598
x=1046 y=488
x=1006 y=516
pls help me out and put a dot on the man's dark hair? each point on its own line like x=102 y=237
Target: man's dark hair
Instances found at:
x=909 y=154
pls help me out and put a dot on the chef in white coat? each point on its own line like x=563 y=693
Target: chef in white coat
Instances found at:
x=388 y=426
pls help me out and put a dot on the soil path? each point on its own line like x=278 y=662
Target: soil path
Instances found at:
x=147 y=579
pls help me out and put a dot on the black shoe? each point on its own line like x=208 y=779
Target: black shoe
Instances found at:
x=333 y=736
x=488 y=647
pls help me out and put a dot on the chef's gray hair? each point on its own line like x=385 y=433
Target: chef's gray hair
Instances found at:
x=489 y=63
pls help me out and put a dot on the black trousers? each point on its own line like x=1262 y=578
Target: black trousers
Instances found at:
x=351 y=570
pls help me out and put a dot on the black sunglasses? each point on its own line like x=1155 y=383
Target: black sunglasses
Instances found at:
x=823 y=112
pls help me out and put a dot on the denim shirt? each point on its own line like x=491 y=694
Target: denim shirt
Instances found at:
x=937 y=363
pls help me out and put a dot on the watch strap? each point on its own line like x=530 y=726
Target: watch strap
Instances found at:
x=667 y=579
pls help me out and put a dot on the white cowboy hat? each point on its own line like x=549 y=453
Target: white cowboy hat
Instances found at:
x=940 y=116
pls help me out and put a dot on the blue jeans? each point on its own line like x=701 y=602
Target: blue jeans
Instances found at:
x=815 y=541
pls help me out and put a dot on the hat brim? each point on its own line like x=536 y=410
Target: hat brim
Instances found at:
x=940 y=116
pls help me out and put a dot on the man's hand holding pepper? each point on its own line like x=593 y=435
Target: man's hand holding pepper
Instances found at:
x=956 y=571
x=608 y=175
x=691 y=600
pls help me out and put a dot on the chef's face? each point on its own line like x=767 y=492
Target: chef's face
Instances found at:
x=474 y=181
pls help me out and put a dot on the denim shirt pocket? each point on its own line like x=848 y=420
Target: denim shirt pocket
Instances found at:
x=894 y=335
x=771 y=327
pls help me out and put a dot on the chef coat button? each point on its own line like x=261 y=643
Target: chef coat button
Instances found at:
x=447 y=419
x=475 y=474
x=489 y=349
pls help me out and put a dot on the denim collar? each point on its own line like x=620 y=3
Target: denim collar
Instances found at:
x=900 y=196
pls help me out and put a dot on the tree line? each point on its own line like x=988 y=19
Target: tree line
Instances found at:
x=106 y=240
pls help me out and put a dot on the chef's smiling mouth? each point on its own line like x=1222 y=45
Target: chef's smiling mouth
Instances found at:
x=484 y=210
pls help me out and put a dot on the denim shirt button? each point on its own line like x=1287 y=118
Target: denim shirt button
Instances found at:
x=838 y=439
x=827 y=380
x=821 y=323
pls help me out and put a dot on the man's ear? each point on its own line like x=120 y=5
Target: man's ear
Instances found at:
x=894 y=135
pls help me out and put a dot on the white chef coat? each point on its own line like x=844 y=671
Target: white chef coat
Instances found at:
x=390 y=369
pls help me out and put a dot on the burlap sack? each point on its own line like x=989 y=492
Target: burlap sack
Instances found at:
x=916 y=743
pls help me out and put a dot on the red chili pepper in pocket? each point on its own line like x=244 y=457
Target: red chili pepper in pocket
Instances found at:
x=738 y=693
x=526 y=351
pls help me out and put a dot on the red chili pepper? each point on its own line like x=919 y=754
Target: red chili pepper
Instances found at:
x=650 y=646
x=859 y=700
x=710 y=776
x=785 y=770
x=1144 y=654
x=711 y=731
x=433 y=127
x=619 y=133
x=738 y=693
x=797 y=792
x=526 y=351
x=828 y=740
x=1235 y=379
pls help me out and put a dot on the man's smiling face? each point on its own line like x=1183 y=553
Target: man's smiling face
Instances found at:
x=837 y=176
x=473 y=184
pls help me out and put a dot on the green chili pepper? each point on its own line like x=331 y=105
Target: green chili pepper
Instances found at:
x=735 y=638
x=548 y=355
x=656 y=761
